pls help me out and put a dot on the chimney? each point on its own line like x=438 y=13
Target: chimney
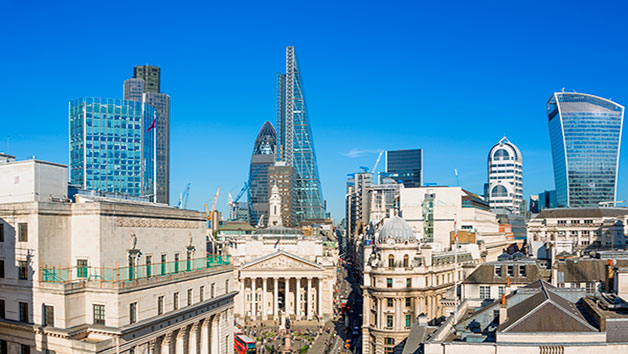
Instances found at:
x=507 y=289
x=610 y=275
x=503 y=310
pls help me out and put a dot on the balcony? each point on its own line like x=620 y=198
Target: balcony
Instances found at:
x=77 y=277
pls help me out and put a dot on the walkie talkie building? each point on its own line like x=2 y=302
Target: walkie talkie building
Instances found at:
x=295 y=145
x=585 y=134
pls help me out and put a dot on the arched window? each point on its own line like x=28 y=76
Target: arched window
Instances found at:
x=391 y=261
x=406 y=261
x=499 y=191
x=501 y=154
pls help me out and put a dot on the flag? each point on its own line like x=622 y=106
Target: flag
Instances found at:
x=152 y=125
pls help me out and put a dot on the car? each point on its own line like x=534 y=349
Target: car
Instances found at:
x=348 y=344
x=355 y=332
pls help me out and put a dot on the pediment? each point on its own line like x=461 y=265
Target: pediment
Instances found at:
x=281 y=261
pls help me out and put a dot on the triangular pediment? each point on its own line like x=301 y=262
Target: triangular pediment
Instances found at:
x=281 y=261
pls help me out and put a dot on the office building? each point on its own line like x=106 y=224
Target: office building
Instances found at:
x=105 y=276
x=542 y=201
x=405 y=166
x=384 y=199
x=145 y=87
x=151 y=76
x=295 y=142
x=112 y=146
x=585 y=135
x=262 y=158
x=505 y=178
x=402 y=280
x=285 y=178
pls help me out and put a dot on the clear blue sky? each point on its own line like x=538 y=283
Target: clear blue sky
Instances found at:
x=451 y=79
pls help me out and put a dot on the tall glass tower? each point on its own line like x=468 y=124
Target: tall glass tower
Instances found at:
x=585 y=134
x=112 y=146
x=262 y=158
x=295 y=144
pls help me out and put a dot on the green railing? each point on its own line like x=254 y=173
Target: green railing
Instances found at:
x=122 y=274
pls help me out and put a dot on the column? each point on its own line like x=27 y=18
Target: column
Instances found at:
x=264 y=289
x=193 y=339
x=180 y=341
x=297 y=303
x=287 y=297
x=165 y=344
x=399 y=315
x=215 y=337
x=380 y=313
x=243 y=295
x=152 y=346
x=320 y=298
x=253 y=298
x=308 y=296
x=205 y=336
x=276 y=299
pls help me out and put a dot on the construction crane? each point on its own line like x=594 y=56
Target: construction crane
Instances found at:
x=377 y=161
x=210 y=214
x=183 y=197
x=234 y=202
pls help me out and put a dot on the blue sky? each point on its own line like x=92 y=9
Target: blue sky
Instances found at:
x=451 y=79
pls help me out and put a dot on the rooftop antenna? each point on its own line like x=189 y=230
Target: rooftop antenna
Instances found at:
x=457 y=180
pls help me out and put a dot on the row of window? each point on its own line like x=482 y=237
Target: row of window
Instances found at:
x=24 y=349
x=510 y=270
x=575 y=222
x=22 y=311
x=438 y=279
x=22 y=232
x=22 y=269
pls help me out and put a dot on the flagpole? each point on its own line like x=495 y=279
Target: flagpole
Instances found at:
x=455 y=269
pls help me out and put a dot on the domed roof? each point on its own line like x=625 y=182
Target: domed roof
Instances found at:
x=397 y=230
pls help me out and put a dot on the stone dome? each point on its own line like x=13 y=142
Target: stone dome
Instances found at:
x=397 y=230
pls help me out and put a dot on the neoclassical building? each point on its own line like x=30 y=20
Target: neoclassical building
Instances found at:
x=403 y=280
x=99 y=275
x=281 y=273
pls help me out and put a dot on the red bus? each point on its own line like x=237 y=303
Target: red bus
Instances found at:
x=243 y=344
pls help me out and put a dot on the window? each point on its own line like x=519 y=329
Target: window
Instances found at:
x=408 y=321
x=4 y=350
x=25 y=349
x=23 y=307
x=588 y=221
x=389 y=321
x=22 y=270
x=149 y=268
x=1 y=232
x=522 y=271
x=389 y=302
x=226 y=286
x=498 y=271
x=511 y=270
x=391 y=261
x=500 y=291
x=48 y=351
x=201 y=294
x=389 y=282
x=590 y=288
x=190 y=294
x=49 y=315
x=22 y=232
x=99 y=314
x=175 y=301
x=389 y=347
x=176 y=262
x=485 y=292
x=160 y=305
x=406 y=261
x=562 y=222
x=212 y=291
x=408 y=302
x=408 y=282
x=133 y=312
x=164 y=259
x=81 y=268
x=1 y=268
x=2 y=310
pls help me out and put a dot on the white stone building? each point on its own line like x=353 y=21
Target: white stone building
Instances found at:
x=404 y=279
x=281 y=273
x=584 y=228
x=505 y=177
x=105 y=276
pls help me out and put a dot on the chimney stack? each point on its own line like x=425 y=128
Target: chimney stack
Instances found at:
x=503 y=310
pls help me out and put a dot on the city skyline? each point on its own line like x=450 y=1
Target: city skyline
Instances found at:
x=339 y=95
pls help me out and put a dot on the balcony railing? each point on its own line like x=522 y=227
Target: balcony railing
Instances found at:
x=130 y=273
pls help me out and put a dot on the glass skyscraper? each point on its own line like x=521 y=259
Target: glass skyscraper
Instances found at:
x=110 y=148
x=295 y=144
x=144 y=87
x=262 y=158
x=405 y=166
x=585 y=135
